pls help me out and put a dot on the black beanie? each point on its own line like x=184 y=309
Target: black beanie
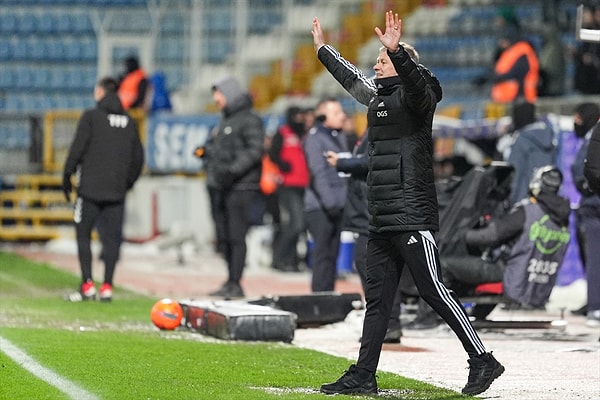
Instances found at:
x=523 y=114
x=589 y=112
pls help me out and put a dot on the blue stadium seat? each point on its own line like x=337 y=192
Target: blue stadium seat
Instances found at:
x=173 y=24
x=41 y=77
x=217 y=49
x=81 y=24
x=13 y=102
x=24 y=78
x=21 y=49
x=47 y=23
x=89 y=49
x=5 y=49
x=27 y=23
x=7 y=78
x=64 y=23
x=8 y=23
x=218 y=21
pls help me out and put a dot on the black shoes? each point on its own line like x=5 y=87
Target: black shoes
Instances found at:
x=230 y=290
x=426 y=322
x=354 y=380
x=392 y=335
x=483 y=370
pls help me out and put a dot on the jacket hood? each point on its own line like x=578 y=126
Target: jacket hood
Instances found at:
x=230 y=87
x=557 y=207
x=432 y=81
x=539 y=136
x=111 y=104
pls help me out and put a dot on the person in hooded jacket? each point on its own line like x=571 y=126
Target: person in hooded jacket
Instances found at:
x=534 y=147
x=287 y=153
x=108 y=157
x=402 y=203
x=591 y=168
x=524 y=249
x=588 y=212
x=233 y=160
x=516 y=71
x=133 y=85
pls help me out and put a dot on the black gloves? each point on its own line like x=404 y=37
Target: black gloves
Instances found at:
x=67 y=187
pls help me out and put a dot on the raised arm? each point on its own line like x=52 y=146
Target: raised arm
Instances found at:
x=390 y=39
x=351 y=78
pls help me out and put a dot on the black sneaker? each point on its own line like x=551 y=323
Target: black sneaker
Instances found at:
x=483 y=370
x=354 y=380
x=230 y=290
x=392 y=335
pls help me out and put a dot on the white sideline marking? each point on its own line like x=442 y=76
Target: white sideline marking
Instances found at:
x=64 y=385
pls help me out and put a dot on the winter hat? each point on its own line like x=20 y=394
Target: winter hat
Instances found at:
x=589 y=113
x=523 y=114
x=230 y=87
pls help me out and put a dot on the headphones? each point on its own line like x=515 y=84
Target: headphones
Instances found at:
x=547 y=178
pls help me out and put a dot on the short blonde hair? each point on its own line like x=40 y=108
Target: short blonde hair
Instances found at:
x=412 y=52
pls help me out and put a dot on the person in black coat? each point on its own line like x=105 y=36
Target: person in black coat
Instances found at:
x=591 y=167
x=233 y=160
x=325 y=196
x=402 y=202
x=108 y=156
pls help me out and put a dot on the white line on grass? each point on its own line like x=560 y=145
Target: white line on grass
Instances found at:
x=64 y=385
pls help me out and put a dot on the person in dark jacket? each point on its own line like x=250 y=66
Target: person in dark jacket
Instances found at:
x=133 y=85
x=108 y=157
x=325 y=196
x=523 y=249
x=588 y=213
x=233 y=158
x=534 y=147
x=403 y=210
x=287 y=153
x=591 y=168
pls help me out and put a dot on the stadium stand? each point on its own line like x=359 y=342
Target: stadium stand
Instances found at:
x=52 y=52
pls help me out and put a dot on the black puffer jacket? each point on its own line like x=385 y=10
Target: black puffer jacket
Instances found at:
x=402 y=195
x=591 y=168
x=234 y=152
x=356 y=213
x=108 y=150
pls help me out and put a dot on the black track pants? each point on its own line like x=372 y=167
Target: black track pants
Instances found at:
x=387 y=253
x=108 y=219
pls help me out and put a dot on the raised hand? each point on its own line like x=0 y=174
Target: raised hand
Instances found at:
x=393 y=31
x=317 y=33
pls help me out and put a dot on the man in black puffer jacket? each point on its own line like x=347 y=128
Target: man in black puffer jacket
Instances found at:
x=233 y=157
x=403 y=210
x=108 y=155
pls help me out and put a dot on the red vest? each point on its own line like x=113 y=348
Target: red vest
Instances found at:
x=507 y=91
x=128 y=90
x=293 y=153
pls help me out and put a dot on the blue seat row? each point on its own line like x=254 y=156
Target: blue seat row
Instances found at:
x=14 y=135
x=29 y=101
x=49 y=78
x=90 y=3
x=47 y=22
x=48 y=49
